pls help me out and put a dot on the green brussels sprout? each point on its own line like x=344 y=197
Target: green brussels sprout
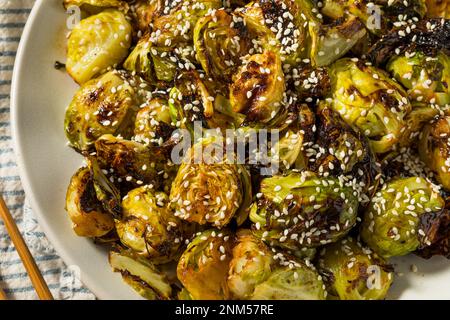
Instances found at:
x=131 y=164
x=175 y=23
x=106 y=105
x=153 y=123
x=96 y=44
x=203 y=267
x=258 y=87
x=209 y=192
x=425 y=77
x=184 y=295
x=392 y=222
x=353 y=272
x=220 y=41
x=89 y=219
x=434 y=149
x=303 y=210
x=150 y=62
x=252 y=263
x=299 y=282
x=140 y=274
x=148 y=227
x=367 y=99
x=295 y=30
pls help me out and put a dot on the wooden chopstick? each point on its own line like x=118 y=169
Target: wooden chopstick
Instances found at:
x=35 y=275
x=3 y=295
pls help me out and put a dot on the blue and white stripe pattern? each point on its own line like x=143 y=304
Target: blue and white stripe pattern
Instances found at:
x=13 y=278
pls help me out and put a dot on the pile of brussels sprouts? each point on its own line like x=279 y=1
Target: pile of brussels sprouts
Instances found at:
x=359 y=92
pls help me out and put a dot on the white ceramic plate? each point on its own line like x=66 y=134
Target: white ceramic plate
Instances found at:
x=40 y=95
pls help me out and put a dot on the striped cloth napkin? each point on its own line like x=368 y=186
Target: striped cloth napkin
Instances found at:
x=61 y=279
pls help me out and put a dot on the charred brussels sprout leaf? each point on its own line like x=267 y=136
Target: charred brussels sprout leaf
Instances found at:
x=303 y=210
x=97 y=43
x=220 y=42
x=251 y=264
x=434 y=149
x=209 y=192
x=392 y=223
x=258 y=87
x=130 y=163
x=438 y=9
x=148 y=227
x=153 y=123
x=367 y=99
x=106 y=105
x=203 y=267
x=142 y=12
x=140 y=274
x=353 y=272
x=86 y=212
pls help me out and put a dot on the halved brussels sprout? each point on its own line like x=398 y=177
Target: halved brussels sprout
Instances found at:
x=86 y=212
x=152 y=63
x=251 y=264
x=106 y=105
x=174 y=24
x=220 y=40
x=96 y=44
x=148 y=227
x=367 y=99
x=206 y=191
x=353 y=272
x=300 y=282
x=258 y=87
x=153 y=123
x=303 y=210
x=132 y=164
x=140 y=274
x=392 y=224
x=425 y=77
x=203 y=267
x=434 y=149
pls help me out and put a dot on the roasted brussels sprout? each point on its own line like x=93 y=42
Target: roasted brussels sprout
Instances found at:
x=106 y=105
x=353 y=272
x=209 y=192
x=434 y=149
x=303 y=210
x=152 y=63
x=203 y=267
x=392 y=224
x=96 y=44
x=425 y=77
x=294 y=29
x=258 y=87
x=221 y=40
x=153 y=123
x=142 y=12
x=131 y=164
x=252 y=263
x=140 y=274
x=174 y=24
x=148 y=227
x=86 y=212
x=367 y=99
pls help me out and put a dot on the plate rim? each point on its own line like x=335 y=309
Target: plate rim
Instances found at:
x=16 y=140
